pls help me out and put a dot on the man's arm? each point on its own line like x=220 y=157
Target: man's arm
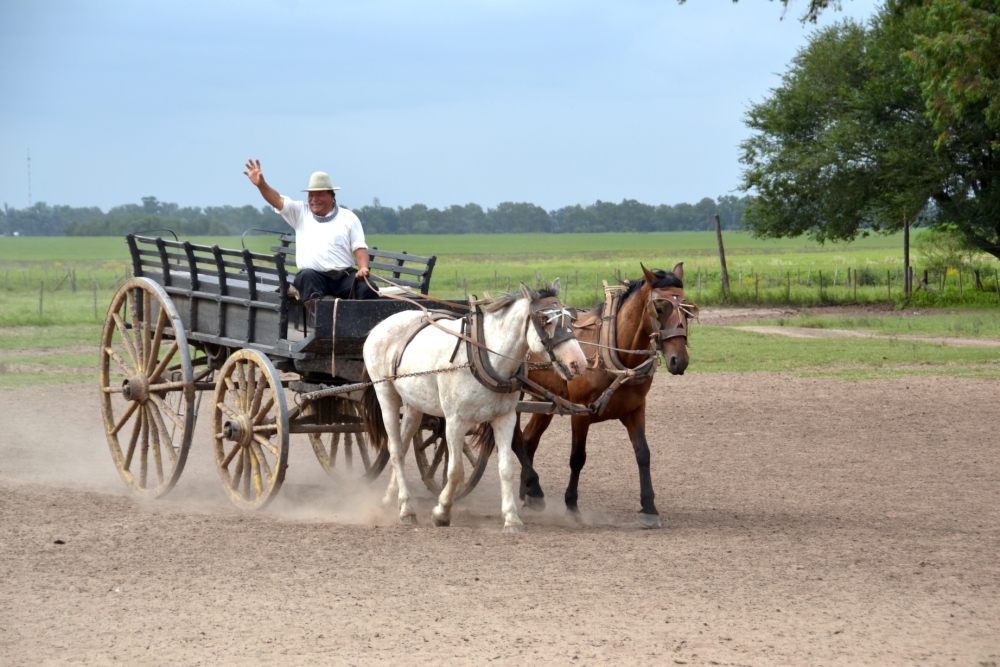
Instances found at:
x=361 y=257
x=256 y=177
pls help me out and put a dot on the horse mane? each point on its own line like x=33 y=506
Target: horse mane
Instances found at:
x=501 y=302
x=663 y=279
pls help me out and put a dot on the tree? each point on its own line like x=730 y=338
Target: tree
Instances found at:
x=847 y=144
x=813 y=10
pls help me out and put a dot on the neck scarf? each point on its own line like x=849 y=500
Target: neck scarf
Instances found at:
x=327 y=218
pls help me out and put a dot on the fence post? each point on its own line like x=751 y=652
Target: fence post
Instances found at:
x=722 y=256
x=821 y=286
x=960 y=283
x=788 y=286
x=888 y=282
x=41 y=292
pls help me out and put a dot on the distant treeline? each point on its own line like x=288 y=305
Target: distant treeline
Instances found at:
x=507 y=218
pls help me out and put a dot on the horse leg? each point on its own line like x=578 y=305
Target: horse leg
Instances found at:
x=503 y=426
x=635 y=423
x=577 y=459
x=531 y=490
x=391 y=404
x=455 y=431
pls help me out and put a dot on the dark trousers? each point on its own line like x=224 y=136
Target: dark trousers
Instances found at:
x=312 y=284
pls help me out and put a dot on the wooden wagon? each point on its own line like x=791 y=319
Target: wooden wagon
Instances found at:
x=199 y=321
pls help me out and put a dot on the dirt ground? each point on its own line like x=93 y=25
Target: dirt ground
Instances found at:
x=806 y=522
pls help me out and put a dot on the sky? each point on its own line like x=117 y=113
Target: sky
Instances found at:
x=435 y=102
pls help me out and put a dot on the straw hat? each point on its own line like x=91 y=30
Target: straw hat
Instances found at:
x=319 y=182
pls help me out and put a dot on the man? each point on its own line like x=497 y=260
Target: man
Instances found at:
x=329 y=240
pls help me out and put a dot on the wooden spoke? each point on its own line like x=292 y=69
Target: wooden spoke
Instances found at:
x=228 y=410
x=125 y=417
x=250 y=389
x=258 y=395
x=155 y=438
x=241 y=384
x=143 y=449
x=154 y=350
x=147 y=318
x=127 y=340
x=238 y=472
x=262 y=466
x=162 y=429
x=259 y=417
x=126 y=370
x=136 y=330
x=246 y=472
x=229 y=457
x=363 y=450
x=164 y=362
x=131 y=442
x=167 y=410
x=265 y=428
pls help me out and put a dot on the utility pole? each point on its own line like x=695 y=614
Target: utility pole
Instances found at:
x=907 y=277
x=722 y=256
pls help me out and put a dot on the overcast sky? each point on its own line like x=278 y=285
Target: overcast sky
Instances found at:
x=438 y=102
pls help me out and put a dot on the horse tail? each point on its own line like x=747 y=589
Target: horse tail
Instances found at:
x=373 y=422
x=484 y=440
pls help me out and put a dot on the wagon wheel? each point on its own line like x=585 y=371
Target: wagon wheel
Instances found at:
x=147 y=388
x=250 y=423
x=347 y=456
x=430 y=448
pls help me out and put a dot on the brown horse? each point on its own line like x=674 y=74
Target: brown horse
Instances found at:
x=652 y=315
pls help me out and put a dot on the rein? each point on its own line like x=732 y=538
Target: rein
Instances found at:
x=548 y=309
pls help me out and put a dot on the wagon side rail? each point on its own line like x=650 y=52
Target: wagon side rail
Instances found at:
x=228 y=297
x=404 y=269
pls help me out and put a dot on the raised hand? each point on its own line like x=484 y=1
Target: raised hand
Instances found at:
x=254 y=173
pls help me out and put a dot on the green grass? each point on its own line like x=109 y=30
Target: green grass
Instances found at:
x=725 y=349
x=965 y=325
x=48 y=369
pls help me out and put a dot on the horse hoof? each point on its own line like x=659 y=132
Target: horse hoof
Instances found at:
x=439 y=521
x=408 y=520
x=649 y=521
x=574 y=513
x=536 y=503
x=514 y=528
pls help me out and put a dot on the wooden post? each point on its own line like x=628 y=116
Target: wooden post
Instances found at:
x=907 y=276
x=959 y=282
x=722 y=256
x=699 y=283
x=996 y=281
x=788 y=286
x=821 y=286
x=756 y=288
x=508 y=283
x=855 y=285
x=464 y=290
x=41 y=292
x=888 y=283
x=72 y=281
x=836 y=274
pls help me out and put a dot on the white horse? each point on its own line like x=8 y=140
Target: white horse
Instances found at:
x=512 y=325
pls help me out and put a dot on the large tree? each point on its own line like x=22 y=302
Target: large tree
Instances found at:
x=874 y=124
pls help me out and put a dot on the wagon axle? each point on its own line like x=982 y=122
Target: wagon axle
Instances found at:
x=136 y=388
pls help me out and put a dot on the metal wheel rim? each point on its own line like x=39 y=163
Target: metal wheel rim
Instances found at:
x=151 y=413
x=255 y=479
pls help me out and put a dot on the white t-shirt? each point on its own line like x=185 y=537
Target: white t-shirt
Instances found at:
x=323 y=246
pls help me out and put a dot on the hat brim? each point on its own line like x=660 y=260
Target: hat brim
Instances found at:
x=320 y=189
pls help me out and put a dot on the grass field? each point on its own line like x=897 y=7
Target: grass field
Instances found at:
x=75 y=278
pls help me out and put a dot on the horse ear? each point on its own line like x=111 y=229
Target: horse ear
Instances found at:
x=679 y=271
x=650 y=276
x=557 y=287
x=528 y=293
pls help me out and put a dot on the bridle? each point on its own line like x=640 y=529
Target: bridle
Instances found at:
x=680 y=311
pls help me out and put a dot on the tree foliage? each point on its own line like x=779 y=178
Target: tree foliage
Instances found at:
x=875 y=124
